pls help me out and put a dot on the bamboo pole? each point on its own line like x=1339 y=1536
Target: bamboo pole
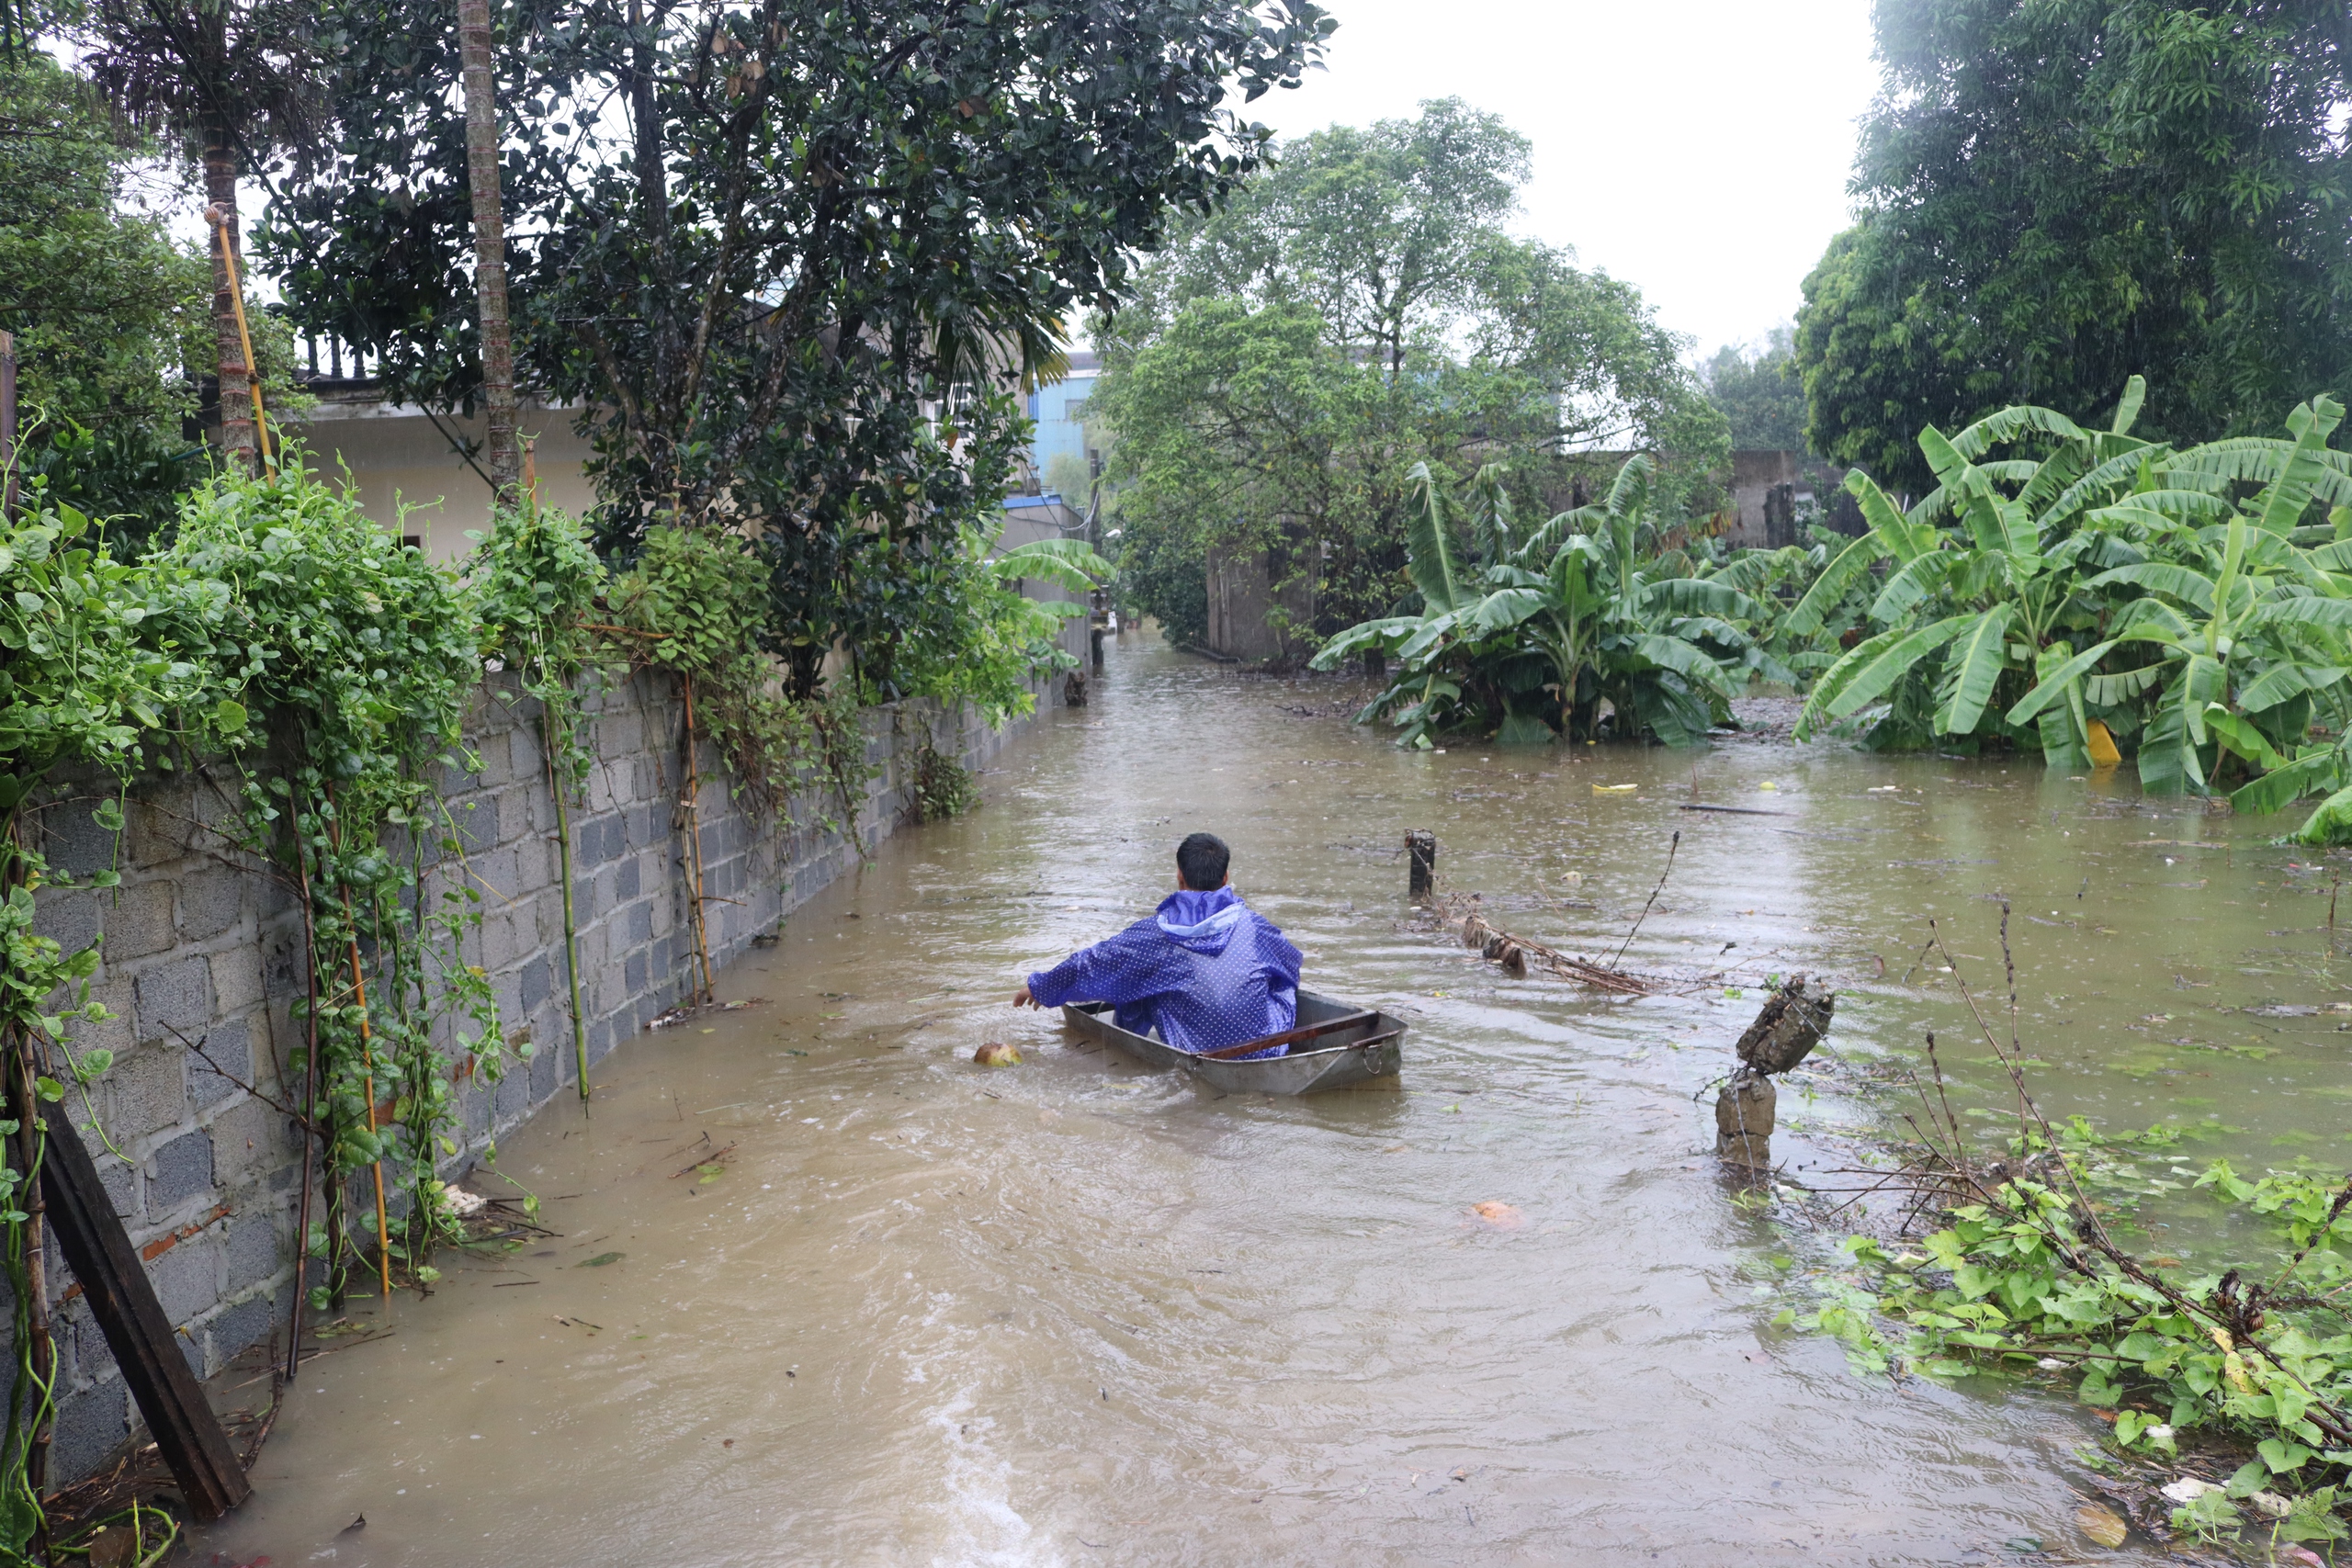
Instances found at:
x=368 y=1075
x=7 y=425
x=693 y=844
x=309 y=1130
x=220 y=219
x=570 y=923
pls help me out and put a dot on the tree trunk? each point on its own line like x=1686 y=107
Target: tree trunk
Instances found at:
x=490 y=250
x=220 y=163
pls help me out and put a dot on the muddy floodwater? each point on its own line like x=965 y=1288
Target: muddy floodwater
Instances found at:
x=825 y=1292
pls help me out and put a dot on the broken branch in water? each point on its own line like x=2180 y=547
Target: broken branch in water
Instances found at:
x=1520 y=956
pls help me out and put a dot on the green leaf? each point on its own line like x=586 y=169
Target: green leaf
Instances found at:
x=2281 y=787
x=1849 y=563
x=2192 y=588
x=1428 y=549
x=1867 y=672
x=49 y=1089
x=1980 y=654
x=2282 y=1456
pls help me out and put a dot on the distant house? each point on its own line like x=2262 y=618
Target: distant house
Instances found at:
x=412 y=477
x=1060 y=413
x=1029 y=518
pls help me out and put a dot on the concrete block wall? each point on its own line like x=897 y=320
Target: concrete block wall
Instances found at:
x=201 y=961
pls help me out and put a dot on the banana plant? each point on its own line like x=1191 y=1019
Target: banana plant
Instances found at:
x=2247 y=629
x=1968 y=608
x=1574 y=625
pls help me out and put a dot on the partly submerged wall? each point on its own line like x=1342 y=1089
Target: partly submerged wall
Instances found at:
x=202 y=961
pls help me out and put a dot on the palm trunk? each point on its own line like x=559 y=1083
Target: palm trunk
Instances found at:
x=221 y=163
x=490 y=250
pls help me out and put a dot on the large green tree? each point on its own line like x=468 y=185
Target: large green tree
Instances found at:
x=108 y=311
x=1358 y=309
x=1760 y=392
x=99 y=296
x=790 y=258
x=2054 y=196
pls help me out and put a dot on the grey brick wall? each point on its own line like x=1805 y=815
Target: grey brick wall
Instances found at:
x=201 y=961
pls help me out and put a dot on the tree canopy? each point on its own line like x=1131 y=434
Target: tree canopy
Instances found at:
x=1760 y=392
x=1359 y=308
x=2055 y=197
x=791 y=258
x=101 y=297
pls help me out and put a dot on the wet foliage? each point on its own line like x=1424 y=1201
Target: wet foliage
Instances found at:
x=1587 y=622
x=2007 y=1261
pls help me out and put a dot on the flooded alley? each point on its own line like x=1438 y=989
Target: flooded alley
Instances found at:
x=824 y=1291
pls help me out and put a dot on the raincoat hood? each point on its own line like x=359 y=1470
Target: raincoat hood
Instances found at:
x=1202 y=922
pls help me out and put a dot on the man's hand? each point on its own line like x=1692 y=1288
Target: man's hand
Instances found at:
x=1021 y=999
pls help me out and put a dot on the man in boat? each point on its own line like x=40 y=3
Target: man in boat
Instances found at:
x=1206 y=972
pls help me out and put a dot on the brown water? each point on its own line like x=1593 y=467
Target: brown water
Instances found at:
x=1076 y=1312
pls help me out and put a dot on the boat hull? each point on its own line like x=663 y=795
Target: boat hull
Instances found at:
x=1372 y=1049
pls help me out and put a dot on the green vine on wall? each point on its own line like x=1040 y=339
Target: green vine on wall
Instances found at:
x=93 y=677
x=535 y=584
x=357 y=659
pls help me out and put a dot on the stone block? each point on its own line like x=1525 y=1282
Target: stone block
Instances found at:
x=157 y=824
x=174 y=995
x=211 y=898
x=237 y=981
x=477 y=826
x=72 y=841
x=513 y=1098
x=544 y=1082
x=628 y=877
x=114 y=1030
x=253 y=1248
x=121 y=1183
x=182 y=1172
x=187 y=1278
x=147 y=1091
x=538 y=983
x=633 y=973
x=636 y=922
x=525 y=759
x=91 y=1423
x=137 y=920
x=226 y=1061
x=248 y=1138
x=242 y=1326
x=283 y=973
x=68 y=917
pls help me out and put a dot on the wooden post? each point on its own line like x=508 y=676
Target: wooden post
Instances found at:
x=9 y=423
x=1420 y=850
x=122 y=1299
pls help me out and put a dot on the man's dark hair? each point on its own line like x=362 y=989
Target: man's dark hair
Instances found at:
x=1201 y=859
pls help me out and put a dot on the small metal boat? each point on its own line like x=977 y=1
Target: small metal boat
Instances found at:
x=1333 y=1045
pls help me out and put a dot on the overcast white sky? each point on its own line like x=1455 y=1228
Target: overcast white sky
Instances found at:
x=1698 y=150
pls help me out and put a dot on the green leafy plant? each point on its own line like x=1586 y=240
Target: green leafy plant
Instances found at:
x=357 y=659
x=101 y=675
x=2019 y=1272
x=1587 y=614
x=535 y=584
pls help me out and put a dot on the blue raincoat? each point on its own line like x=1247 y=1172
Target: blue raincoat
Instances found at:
x=1207 y=970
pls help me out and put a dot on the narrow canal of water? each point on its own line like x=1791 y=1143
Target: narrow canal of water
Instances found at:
x=1076 y=1312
